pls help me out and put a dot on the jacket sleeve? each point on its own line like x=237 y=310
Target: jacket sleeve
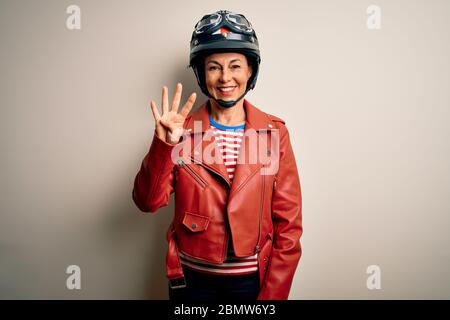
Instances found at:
x=154 y=181
x=287 y=223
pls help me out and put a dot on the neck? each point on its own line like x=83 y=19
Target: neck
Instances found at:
x=233 y=116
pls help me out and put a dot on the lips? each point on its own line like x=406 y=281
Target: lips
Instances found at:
x=226 y=90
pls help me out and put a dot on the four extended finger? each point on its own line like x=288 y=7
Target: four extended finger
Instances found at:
x=165 y=100
x=188 y=105
x=155 y=111
x=177 y=97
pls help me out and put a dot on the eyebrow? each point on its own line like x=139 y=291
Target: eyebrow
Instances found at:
x=214 y=61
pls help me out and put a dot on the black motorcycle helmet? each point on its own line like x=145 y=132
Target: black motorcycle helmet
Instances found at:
x=223 y=31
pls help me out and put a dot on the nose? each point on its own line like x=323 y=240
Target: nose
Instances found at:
x=225 y=76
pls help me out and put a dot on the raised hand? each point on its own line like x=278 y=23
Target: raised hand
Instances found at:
x=169 y=125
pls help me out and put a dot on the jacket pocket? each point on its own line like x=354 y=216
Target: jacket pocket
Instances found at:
x=195 y=222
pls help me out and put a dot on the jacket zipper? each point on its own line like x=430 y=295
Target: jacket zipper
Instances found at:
x=227 y=236
x=226 y=246
x=257 y=248
x=217 y=173
x=211 y=169
x=192 y=173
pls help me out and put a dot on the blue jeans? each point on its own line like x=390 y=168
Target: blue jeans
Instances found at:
x=202 y=287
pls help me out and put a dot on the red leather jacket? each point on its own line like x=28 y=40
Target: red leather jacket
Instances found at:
x=260 y=210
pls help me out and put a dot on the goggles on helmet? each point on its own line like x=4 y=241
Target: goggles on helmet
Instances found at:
x=236 y=21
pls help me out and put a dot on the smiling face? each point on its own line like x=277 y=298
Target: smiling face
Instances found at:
x=227 y=75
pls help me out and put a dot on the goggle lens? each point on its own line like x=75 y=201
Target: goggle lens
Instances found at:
x=239 y=21
x=207 y=22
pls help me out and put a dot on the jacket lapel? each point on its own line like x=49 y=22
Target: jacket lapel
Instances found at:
x=204 y=148
x=249 y=155
x=256 y=124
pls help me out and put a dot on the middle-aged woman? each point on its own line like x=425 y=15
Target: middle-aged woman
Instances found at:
x=237 y=223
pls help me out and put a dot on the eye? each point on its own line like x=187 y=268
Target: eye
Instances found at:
x=213 y=68
x=236 y=66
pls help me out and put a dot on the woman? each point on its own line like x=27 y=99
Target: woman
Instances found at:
x=237 y=223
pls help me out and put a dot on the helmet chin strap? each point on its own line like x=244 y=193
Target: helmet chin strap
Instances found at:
x=228 y=104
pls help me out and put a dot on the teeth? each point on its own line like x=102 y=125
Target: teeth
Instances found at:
x=226 y=89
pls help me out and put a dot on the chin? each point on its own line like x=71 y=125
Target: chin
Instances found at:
x=227 y=98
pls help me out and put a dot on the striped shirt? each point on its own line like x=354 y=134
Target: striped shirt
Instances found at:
x=228 y=139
